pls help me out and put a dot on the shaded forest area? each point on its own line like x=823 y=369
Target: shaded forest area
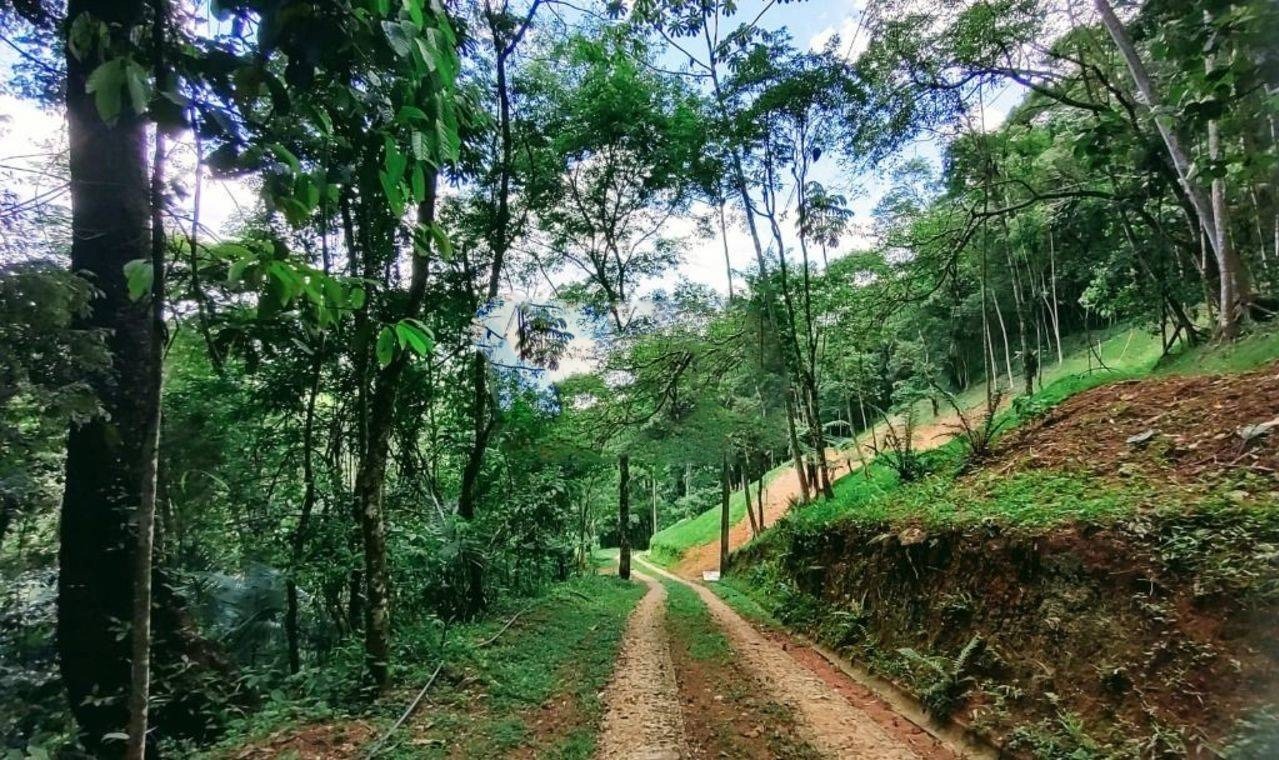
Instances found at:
x=444 y=350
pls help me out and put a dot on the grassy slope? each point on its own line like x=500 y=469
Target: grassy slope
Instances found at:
x=669 y=544
x=1034 y=498
x=1126 y=353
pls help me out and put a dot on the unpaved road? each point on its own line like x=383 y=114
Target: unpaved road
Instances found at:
x=642 y=717
x=784 y=490
x=827 y=721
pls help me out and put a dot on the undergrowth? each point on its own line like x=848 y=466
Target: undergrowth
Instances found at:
x=561 y=647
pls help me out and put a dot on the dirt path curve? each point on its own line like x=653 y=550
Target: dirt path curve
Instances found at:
x=828 y=722
x=778 y=496
x=642 y=716
x=784 y=490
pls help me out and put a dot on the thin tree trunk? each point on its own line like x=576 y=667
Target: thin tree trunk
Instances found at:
x=724 y=489
x=796 y=452
x=1003 y=332
x=819 y=445
x=1052 y=276
x=291 y=627
x=728 y=262
x=485 y=422
x=140 y=630
x=746 y=492
x=1232 y=276
x=624 y=516
x=372 y=469
x=759 y=502
x=653 y=532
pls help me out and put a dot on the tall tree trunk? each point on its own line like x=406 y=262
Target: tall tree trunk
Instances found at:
x=140 y=629
x=725 y=488
x=1233 y=278
x=372 y=469
x=485 y=422
x=360 y=266
x=105 y=467
x=796 y=452
x=624 y=516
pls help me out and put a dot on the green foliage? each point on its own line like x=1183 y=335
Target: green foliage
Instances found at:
x=47 y=363
x=942 y=681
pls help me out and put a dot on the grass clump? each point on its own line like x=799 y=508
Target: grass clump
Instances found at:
x=689 y=616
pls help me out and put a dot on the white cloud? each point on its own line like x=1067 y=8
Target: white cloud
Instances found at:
x=853 y=36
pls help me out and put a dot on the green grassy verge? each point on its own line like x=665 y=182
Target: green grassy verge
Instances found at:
x=669 y=544
x=689 y=616
x=738 y=594
x=489 y=700
x=563 y=650
x=1254 y=349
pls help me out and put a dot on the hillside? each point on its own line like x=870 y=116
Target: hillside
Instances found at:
x=692 y=544
x=1103 y=584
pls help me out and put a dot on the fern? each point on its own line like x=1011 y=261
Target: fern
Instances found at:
x=948 y=679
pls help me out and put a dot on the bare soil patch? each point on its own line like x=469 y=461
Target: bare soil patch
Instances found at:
x=316 y=742
x=1180 y=428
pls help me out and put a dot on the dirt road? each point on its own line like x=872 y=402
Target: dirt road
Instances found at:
x=642 y=718
x=784 y=491
x=834 y=724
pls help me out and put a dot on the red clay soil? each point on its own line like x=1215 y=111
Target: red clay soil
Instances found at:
x=318 y=742
x=1181 y=428
x=920 y=741
x=778 y=496
x=727 y=713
